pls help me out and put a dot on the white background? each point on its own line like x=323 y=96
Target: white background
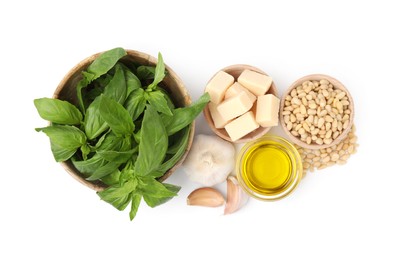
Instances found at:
x=345 y=212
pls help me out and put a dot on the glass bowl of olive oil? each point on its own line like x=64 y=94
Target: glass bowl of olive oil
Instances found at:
x=269 y=168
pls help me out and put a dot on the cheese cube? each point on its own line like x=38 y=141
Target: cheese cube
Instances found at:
x=236 y=89
x=267 y=108
x=255 y=82
x=218 y=85
x=241 y=126
x=218 y=120
x=235 y=106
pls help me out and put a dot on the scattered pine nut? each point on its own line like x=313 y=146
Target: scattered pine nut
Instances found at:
x=323 y=158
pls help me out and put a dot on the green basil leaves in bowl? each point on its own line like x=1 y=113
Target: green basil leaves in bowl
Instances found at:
x=121 y=122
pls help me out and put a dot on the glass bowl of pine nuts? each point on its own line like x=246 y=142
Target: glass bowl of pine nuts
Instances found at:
x=316 y=112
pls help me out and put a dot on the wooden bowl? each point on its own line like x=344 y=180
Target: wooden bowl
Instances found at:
x=337 y=85
x=66 y=90
x=235 y=71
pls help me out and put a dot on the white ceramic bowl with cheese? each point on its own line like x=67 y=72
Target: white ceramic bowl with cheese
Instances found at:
x=244 y=103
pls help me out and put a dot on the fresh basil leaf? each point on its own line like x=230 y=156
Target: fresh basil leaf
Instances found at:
x=159 y=72
x=119 y=196
x=117 y=156
x=85 y=150
x=167 y=97
x=132 y=81
x=135 y=202
x=150 y=186
x=153 y=142
x=65 y=136
x=104 y=62
x=61 y=154
x=182 y=146
x=114 y=193
x=137 y=136
x=110 y=142
x=172 y=188
x=58 y=111
x=117 y=89
x=183 y=116
x=128 y=172
x=87 y=76
x=99 y=141
x=145 y=72
x=83 y=83
x=94 y=124
x=157 y=193
x=157 y=100
x=153 y=201
x=112 y=179
x=104 y=170
x=89 y=166
x=114 y=143
x=116 y=116
x=175 y=141
x=135 y=103
x=122 y=202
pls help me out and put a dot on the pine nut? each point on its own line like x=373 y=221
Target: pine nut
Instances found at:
x=345 y=125
x=296 y=101
x=292 y=118
x=328 y=119
x=303 y=109
x=324 y=82
x=340 y=95
x=327 y=140
x=326 y=159
x=312 y=105
x=320 y=122
x=286 y=119
x=334 y=157
x=306 y=127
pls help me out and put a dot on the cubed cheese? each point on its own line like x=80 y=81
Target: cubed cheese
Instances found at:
x=218 y=120
x=235 y=106
x=218 y=85
x=255 y=82
x=267 y=108
x=241 y=126
x=236 y=89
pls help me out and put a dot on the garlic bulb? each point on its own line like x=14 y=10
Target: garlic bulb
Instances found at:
x=210 y=160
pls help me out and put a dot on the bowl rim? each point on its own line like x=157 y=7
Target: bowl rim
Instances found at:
x=257 y=133
x=97 y=185
x=338 y=85
x=290 y=148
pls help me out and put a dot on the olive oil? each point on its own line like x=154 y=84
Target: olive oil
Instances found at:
x=269 y=168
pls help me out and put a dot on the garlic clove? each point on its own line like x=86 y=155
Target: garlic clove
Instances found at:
x=207 y=197
x=236 y=197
